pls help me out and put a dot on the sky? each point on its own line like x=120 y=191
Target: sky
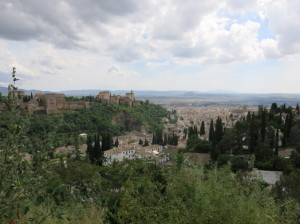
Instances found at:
x=248 y=46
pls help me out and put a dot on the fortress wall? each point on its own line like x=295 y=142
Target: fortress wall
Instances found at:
x=136 y=103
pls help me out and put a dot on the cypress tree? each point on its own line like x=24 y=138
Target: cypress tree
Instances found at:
x=252 y=139
x=248 y=117
x=290 y=122
x=159 y=136
x=165 y=139
x=140 y=142
x=274 y=107
x=185 y=131
x=263 y=125
x=285 y=132
x=116 y=143
x=276 y=142
x=219 y=130
x=297 y=109
x=107 y=142
x=146 y=142
x=31 y=96
x=90 y=148
x=175 y=139
x=154 y=141
x=202 y=128
x=211 y=131
x=238 y=136
x=97 y=150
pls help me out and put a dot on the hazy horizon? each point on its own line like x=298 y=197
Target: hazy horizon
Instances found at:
x=236 y=46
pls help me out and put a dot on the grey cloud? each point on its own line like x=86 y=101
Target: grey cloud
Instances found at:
x=39 y=20
x=113 y=27
x=179 y=18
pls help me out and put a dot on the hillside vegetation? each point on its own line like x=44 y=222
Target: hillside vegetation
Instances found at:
x=73 y=190
x=63 y=128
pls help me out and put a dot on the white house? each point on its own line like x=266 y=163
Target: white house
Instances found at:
x=131 y=152
x=119 y=154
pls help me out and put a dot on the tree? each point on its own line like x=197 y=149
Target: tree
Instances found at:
x=211 y=136
x=238 y=138
x=285 y=132
x=192 y=131
x=263 y=124
x=165 y=142
x=90 y=148
x=116 y=142
x=202 y=128
x=107 y=142
x=248 y=117
x=98 y=153
x=185 y=131
x=140 y=142
x=219 y=130
x=146 y=142
x=276 y=142
x=157 y=138
x=252 y=135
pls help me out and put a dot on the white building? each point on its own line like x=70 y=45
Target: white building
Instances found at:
x=131 y=152
x=119 y=154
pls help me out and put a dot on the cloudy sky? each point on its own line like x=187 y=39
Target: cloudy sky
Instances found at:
x=236 y=45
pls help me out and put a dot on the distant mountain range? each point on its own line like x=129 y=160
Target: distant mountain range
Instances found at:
x=95 y=92
x=217 y=97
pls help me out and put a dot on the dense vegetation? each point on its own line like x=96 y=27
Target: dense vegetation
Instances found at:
x=79 y=190
x=132 y=192
x=256 y=134
x=63 y=128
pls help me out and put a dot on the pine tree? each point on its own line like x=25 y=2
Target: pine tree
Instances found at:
x=202 y=128
x=31 y=96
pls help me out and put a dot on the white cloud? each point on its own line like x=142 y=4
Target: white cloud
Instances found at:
x=157 y=64
x=284 y=17
x=115 y=70
x=62 y=40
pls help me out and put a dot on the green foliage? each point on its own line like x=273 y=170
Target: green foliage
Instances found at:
x=288 y=187
x=196 y=195
x=194 y=144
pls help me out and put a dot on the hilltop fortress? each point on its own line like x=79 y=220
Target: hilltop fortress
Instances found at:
x=106 y=97
x=51 y=103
